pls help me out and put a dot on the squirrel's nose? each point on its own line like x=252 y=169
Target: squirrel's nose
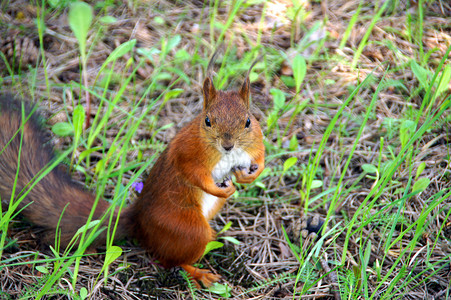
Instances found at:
x=227 y=142
x=227 y=147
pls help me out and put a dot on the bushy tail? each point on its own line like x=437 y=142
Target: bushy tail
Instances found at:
x=25 y=153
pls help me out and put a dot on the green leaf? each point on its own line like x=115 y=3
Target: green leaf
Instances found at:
x=173 y=42
x=369 y=168
x=445 y=80
x=148 y=53
x=54 y=3
x=420 y=73
x=226 y=227
x=212 y=246
x=172 y=94
x=158 y=20
x=293 y=146
x=365 y=261
x=83 y=293
x=393 y=83
x=260 y=185
x=278 y=98
x=107 y=20
x=220 y=289
x=366 y=255
x=405 y=131
x=421 y=184
x=316 y=184
x=112 y=254
x=299 y=69
x=166 y=126
x=87 y=227
x=99 y=166
x=231 y=239
x=253 y=76
x=63 y=129
x=420 y=170
x=181 y=74
x=109 y=79
x=288 y=80
x=42 y=269
x=289 y=163
x=163 y=76
x=182 y=55
x=120 y=51
x=80 y=19
x=272 y=119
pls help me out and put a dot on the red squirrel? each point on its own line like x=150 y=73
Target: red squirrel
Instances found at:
x=186 y=187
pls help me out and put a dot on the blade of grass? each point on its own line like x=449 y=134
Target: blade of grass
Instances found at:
x=364 y=40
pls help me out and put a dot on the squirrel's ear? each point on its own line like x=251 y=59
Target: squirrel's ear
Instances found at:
x=244 y=91
x=209 y=92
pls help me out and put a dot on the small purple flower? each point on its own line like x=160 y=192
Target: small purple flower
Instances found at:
x=138 y=186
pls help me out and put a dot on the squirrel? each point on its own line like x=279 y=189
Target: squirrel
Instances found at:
x=185 y=188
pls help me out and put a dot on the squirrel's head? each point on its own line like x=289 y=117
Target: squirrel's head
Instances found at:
x=227 y=120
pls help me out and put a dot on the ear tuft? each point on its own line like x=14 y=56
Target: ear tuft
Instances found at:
x=209 y=92
x=244 y=91
x=245 y=88
x=211 y=63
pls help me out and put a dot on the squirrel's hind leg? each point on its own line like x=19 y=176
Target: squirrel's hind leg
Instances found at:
x=201 y=275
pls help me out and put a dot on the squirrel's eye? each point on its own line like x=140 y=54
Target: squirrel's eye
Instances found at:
x=207 y=122
x=248 y=123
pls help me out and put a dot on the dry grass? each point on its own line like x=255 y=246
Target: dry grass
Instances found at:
x=263 y=265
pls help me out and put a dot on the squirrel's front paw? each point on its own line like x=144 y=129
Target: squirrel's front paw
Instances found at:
x=246 y=175
x=225 y=183
x=227 y=187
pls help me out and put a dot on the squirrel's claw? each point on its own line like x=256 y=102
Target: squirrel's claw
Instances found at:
x=246 y=175
x=225 y=183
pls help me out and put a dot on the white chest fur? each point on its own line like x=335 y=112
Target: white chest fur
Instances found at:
x=235 y=158
x=208 y=203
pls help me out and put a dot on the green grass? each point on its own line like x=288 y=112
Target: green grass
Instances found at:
x=347 y=137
